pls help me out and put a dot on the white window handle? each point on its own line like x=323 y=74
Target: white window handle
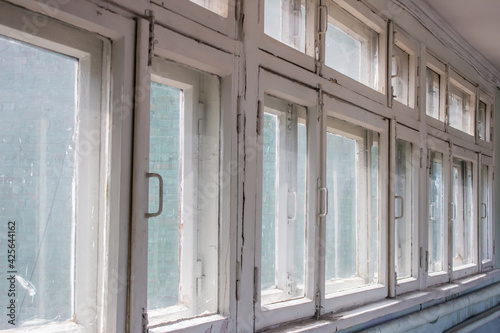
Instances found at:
x=293 y=194
x=323 y=19
x=160 y=204
x=325 y=201
x=453 y=211
x=485 y=211
x=432 y=211
x=402 y=207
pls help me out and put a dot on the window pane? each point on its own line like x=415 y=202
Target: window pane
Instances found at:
x=283 y=201
x=463 y=220
x=404 y=221
x=436 y=213
x=352 y=223
x=38 y=179
x=461 y=110
x=351 y=47
x=400 y=75
x=219 y=7
x=483 y=122
x=285 y=20
x=183 y=240
x=485 y=221
x=433 y=95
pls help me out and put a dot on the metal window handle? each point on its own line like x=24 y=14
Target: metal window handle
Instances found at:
x=402 y=207
x=323 y=19
x=432 y=211
x=325 y=201
x=160 y=205
x=485 y=211
x=294 y=200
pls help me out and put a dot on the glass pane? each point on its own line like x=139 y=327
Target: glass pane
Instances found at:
x=403 y=213
x=462 y=214
x=481 y=122
x=485 y=222
x=219 y=7
x=183 y=240
x=436 y=213
x=400 y=75
x=461 y=110
x=352 y=223
x=285 y=20
x=433 y=94
x=283 y=201
x=38 y=180
x=351 y=47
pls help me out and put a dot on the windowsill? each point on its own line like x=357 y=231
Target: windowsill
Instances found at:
x=345 y=319
x=68 y=326
x=192 y=325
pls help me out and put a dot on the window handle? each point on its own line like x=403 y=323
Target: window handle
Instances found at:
x=324 y=190
x=453 y=211
x=485 y=211
x=402 y=207
x=323 y=19
x=293 y=199
x=160 y=205
x=432 y=211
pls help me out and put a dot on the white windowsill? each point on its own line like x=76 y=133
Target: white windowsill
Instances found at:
x=349 y=318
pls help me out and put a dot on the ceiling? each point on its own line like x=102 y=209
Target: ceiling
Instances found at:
x=478 y=21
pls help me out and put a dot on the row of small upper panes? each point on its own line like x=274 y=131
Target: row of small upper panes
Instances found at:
x=354 y=49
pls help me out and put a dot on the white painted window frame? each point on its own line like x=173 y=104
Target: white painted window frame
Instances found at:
x=443 y=276
x=488 y=210
x=466 y=86
x=379 y=25
x=467 y=156
x=190 y=53
x=93 y=54
x=411 y=283
x=440 y=68
x=305 y=60
x=408 y=45
x=305 y=306
x=337 y=111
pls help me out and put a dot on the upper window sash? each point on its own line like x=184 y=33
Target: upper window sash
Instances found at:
x=438 y=67
x=358 y=28
x=405 y=72
x=218 y=15
x=461 y=106
x=485 y=120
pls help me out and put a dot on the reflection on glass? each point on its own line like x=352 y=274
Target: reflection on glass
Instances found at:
x=352 y=222
x=38 y=180
x=284 y=173
x=400 y=77
x=462 y=213
x=403 y=213
x=436 y=213
x=351 y=47
x=433 y=95
x=284 y=20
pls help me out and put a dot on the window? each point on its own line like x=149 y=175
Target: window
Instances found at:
x=219 y=7
x=437 y=229
x=352 y=237
x=400 y=77
x=435 y=83
x=484 y=118
x=486 y=225
x=405 y=226
x=352 y=47
x=462 y=104
x=433 y=94
x=285 y=21
x=183 y=153
x=283 y=201
x=462 y=198
x=54 y=165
